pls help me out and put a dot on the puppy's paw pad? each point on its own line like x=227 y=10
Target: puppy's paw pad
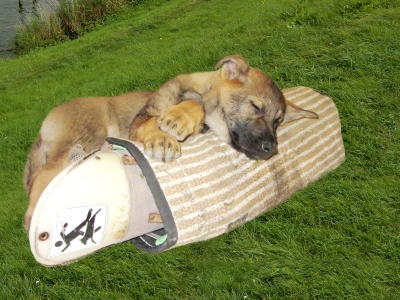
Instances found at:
x=162 y=147
x=182 y=120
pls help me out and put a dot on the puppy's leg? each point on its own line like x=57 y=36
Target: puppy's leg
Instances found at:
x=183 y=119
x=157 y=143
x=174 y=91
x=43 y=177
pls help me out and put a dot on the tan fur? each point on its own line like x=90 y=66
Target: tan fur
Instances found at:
x=241 y=104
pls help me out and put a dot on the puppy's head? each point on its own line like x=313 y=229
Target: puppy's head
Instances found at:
x=248 y=109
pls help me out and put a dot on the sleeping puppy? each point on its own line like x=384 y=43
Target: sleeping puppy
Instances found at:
x=242 y=105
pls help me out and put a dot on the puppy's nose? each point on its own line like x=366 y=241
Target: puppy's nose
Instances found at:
x=269 y=147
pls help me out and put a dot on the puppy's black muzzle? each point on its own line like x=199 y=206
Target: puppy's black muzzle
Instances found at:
x=254 y=146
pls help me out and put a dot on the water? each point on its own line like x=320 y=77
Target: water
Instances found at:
x=10 y=11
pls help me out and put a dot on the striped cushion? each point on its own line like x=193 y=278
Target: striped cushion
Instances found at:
x=99 y=200
x=212 y=188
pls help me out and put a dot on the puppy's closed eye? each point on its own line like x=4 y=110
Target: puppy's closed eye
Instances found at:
x=256 y=108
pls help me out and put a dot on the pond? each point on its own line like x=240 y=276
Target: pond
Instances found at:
x=10 y=12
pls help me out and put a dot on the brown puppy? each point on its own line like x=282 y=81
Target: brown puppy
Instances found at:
x=241 y=104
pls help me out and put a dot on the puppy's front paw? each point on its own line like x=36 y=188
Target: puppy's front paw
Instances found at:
x=183 y=119
x=162 y=146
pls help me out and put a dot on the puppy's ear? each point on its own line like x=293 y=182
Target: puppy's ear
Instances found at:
x=234 y=67
x=293 y=112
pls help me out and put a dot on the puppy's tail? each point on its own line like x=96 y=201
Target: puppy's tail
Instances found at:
x=36 y=159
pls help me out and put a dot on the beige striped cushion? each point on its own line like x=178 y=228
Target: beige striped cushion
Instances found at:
x=212 y=188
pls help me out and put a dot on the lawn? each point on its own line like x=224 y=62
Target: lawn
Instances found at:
x=337 y=239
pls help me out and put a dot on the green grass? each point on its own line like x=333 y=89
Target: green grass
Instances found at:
x=337 y=239
x=54 y=21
